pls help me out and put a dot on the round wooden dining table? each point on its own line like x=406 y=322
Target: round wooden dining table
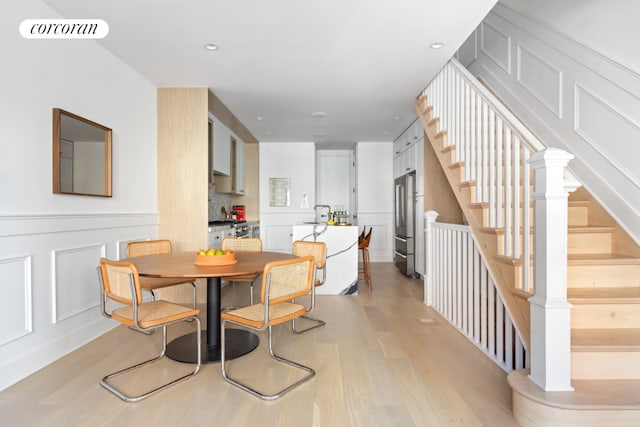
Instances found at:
x=181 y=265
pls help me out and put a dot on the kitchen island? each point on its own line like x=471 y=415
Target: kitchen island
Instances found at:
x=342 y=255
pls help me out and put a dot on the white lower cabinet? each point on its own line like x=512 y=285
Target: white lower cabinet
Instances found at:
x=216 y=234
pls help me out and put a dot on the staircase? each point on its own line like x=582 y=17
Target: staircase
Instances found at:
x=473 y=145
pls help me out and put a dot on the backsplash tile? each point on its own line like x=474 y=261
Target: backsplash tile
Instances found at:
x=216 y=202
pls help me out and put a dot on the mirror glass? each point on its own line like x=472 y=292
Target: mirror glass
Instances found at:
x=81 y=156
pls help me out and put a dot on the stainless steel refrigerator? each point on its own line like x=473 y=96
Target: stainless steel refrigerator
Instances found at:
x=405 y=208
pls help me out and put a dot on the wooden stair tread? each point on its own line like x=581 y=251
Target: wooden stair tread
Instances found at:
x=605 y=339
x=603 y=295
x=587 y=394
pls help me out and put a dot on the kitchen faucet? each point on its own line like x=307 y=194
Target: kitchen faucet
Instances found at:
x=320 y=213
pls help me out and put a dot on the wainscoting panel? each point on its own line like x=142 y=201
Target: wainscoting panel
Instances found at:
x=468 y=52
x=590 y=112
x=50 y=285
x=381 y=245
x=15 y=304
x=540 y=78
x=74 y=280
x=496 y=45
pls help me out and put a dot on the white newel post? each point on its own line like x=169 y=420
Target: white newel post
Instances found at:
x=550 y=311
x=430 y=219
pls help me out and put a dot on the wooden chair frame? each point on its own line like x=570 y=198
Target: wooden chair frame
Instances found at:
x=363 y=245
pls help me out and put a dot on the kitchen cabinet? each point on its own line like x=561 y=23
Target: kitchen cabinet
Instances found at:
x=235 y=182
x=238 y=185
x=221 y=148
x=406 y=150
x=217 y=234
x=420 y=167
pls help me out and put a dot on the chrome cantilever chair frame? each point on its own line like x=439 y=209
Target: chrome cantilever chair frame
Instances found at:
x=316 y=322
x=136 y=327
x=265 y=325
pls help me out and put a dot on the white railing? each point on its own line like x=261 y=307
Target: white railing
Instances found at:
x=494 y=147
x=505 y=160
x=459 y=286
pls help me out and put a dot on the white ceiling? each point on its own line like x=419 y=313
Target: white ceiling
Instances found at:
x=362 y=62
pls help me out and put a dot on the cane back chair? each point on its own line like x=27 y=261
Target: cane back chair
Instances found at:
x=318 y=250
x=120 y=283
x=253 y=244
x=152 y=247
x=282 y=282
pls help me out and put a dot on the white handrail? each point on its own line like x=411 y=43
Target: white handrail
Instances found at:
x=498 y=105
x=498 y=156
x=493 y=146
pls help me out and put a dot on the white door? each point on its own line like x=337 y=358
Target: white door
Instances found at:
x=335 y=177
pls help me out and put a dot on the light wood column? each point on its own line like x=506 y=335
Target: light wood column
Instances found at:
x=182 y=174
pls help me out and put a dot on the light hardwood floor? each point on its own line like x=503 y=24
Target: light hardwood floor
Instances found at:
x=383 y=359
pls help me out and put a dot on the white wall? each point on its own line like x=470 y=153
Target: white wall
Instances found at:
x=375 y=196
x=50 y=244
x=571 y=71
x=296 y=161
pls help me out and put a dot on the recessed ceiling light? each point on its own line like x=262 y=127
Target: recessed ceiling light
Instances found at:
x=319 y=115
x=386 y=132
x=437 y=45
x=268 y=132
x=396 y=118
x=211 y=46
x=259 y=118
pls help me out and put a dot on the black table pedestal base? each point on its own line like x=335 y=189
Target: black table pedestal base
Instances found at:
x=239 y=342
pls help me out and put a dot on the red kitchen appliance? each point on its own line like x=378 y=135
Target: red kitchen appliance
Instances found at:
x=240 y=212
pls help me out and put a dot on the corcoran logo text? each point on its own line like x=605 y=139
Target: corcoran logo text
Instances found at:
x=64 y=29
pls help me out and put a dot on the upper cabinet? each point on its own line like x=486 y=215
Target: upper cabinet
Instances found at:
x=221 y=148
x=240 y=168
x=234 y=183
x=407 y=149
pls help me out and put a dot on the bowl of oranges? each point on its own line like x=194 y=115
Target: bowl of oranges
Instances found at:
x=213 y=257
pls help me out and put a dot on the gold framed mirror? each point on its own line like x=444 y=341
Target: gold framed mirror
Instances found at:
x=81 y=156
